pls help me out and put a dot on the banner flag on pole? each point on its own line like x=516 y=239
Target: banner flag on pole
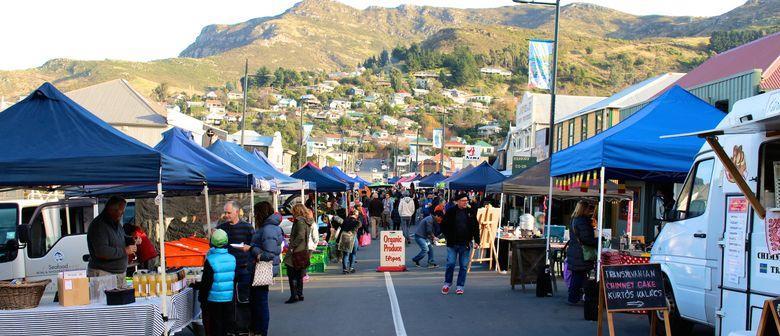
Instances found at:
x=437 y=138
x=307 y=131
x=539 y=61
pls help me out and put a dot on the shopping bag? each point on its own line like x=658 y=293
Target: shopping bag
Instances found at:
x=365 y=239
x=591 y=309
x=264 y=273
x=566 y=275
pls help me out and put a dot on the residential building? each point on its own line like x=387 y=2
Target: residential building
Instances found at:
x=338 y=104
x=595 y=118
x=455 y=147
x=488 y=130
x=195 y=104
x=235 y=96
x=121 y=106
x=354 y=116
x=495 y=71
x=271 y=146
x=487 y=149
x=333 y=140
x=407 y=123
x=286 y=103
x=380 y=134
x=482 y=99
x=310 y=101
x=210 y=95
x=456 y=95
x=388 y=120
x=533 y=115
x=356 y=91
x=420 y=92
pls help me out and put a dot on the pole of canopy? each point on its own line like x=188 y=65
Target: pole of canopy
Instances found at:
x=498 y=247
x=252 y=206
x=275 y=195
x=548 y=222
x=161 y=240
x=600 y=224
x=208 y=212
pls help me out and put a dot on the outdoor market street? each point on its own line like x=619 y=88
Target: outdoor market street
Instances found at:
x=359 y=304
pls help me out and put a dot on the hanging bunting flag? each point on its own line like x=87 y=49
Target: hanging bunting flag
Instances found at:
x=539 y=62
x=584 y=185
x=621 y=187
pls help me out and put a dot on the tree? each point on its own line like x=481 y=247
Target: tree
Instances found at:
x=230 y=87
x=384 y=58
x=463 y=66
x=160 y=92
x=263 y=77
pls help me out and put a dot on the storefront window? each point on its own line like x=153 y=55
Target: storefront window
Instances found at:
x=571 y=133
x=599 y=121
x=694 y=195
x=558 y=137
x=584 y=128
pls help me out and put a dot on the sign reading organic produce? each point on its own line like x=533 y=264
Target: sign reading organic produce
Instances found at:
x=392 y=256
x=626 y=288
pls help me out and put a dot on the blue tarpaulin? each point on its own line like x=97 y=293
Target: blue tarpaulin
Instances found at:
x=284 y=181
x=431 y=180
x=633 y=148
x=248 y=162
x=48 y=139
x=354 y=182
x=325 y=182
x=476 y=178
x=393 y=180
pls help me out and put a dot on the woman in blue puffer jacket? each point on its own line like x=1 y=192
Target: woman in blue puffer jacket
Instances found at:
x=266 y=246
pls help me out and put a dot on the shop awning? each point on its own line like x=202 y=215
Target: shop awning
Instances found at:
x=457 y=174
x=49 y=140
x=633 y=148
x=476 y=178
x=535 y=181
x=325 y=182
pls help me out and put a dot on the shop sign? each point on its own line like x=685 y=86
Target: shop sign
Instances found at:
x=392 y=256
x=734 y=239
x=521 y=163
x=473 y=153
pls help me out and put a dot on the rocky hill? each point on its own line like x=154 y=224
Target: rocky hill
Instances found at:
x=327 y=35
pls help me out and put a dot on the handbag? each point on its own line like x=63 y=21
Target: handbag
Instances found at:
x=365 y=239
x=264 y=274
x=588 y=252
x=301 y=259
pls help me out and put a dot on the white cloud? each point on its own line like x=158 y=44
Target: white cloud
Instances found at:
x=140 y=30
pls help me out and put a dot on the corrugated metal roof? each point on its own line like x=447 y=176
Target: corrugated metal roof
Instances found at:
x=760 y=54
x=565 y=105
x=117 y=103
x=632 y=95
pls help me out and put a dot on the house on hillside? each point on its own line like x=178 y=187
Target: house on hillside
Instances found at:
x=356 y=91
x=338 y=104
x=407 y=123
x=388 y=120
x=486 y=100
x=495 y=71
x=333 y=140
x=487 y=149
x=489 y=130
x=121 y=106
x=202 y=133
x=271 y=146
x=310 y=101
x=210 y=95
x=235 y=96
x=420 y=92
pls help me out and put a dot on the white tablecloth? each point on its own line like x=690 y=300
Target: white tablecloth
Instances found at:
x=141 y=318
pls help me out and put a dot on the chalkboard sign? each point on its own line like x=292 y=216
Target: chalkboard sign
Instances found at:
x=770 y=318
x=633 y=287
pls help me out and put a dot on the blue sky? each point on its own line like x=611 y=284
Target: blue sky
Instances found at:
x=142 y=30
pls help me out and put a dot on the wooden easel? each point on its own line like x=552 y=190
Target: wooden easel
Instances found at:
x=488 y=219
x=610 y=312
x=770 y=318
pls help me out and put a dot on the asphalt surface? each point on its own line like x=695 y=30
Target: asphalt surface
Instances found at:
x=368 y=165
x=361 y=304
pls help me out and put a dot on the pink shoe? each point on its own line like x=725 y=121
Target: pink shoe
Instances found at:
x=445 y=290
x=459 y=291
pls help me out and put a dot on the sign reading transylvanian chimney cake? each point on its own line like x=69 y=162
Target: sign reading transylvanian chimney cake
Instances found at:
x=392 y=256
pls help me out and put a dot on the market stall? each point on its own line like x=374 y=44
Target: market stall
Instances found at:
x=634 y=150
x=88 y=152
x=431 y=180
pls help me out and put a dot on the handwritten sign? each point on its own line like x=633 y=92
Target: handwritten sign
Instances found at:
x=392 y=256
x=633 y=287
x=736 y=230
x=769 y=325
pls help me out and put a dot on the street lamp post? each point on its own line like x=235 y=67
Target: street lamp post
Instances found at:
x=551 y=132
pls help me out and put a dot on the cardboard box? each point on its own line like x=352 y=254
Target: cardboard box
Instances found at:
x=73 y=292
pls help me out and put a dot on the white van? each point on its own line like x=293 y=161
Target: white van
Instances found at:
x=714 y=249
x=43 y=239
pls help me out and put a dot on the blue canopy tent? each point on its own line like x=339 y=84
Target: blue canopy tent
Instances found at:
x=353 y=182
x=251 y=163
x=476 y=178
x=457 y=173
x=431 y=180
x=325 y=182
x=50 y=141
x=633 y=148
x=393 y=180
x=363 y=183
x=284 y=181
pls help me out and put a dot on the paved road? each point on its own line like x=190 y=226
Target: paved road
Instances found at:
x=366 y=168
x=361 y=304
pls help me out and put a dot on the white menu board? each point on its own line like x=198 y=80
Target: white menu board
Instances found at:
x=734 y=239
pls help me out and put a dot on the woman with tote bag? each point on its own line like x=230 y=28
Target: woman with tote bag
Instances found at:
x=580 y=254
x=347 y=241
x=266 y=247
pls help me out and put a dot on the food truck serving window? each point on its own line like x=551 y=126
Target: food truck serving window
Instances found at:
x=8 y=215
x=770 y=166
x=692 y=201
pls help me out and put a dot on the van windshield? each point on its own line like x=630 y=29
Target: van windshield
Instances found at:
x=8 y=216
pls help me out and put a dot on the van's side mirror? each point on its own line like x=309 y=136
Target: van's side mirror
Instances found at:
x=23 y=233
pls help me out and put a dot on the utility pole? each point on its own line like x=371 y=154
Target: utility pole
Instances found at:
x=417 y=151
x=300 y=156
x=246 y=91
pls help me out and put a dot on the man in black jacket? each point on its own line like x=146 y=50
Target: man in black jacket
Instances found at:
x=461 y=230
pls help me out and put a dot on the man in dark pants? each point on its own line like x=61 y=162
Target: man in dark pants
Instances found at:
x=461 y=230
x=239 y=232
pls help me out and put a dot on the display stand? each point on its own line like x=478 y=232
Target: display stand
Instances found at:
x=488 y=219
x=627 y=288
x=770 y=318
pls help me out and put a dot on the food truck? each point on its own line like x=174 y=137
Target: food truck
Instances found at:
x=720 y=247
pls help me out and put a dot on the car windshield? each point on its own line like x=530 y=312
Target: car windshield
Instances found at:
x=8 y=217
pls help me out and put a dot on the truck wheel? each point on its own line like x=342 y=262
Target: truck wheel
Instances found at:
x=679 y=325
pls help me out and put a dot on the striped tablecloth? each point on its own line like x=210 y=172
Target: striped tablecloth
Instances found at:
x=141 y=318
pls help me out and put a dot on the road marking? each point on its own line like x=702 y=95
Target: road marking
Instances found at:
x=398 y=321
